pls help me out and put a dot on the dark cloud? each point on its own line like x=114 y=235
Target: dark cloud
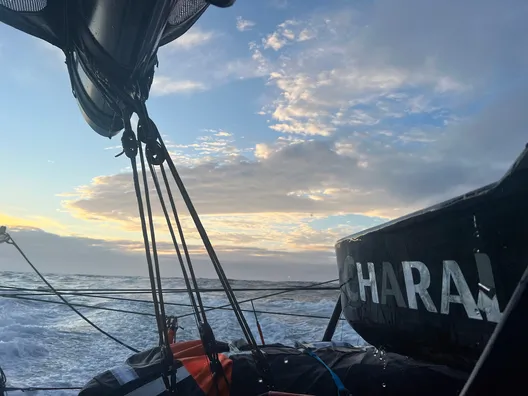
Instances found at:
x=474 y=41
x=52 y=253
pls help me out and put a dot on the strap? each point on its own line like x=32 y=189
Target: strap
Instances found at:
x=341 y=390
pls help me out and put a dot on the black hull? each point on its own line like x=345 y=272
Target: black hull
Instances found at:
x=473 y=248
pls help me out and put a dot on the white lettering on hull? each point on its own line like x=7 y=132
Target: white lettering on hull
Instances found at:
x=370 y=282
x=485 y=308
x=388 y=276
x=419 y=288
x=451 y=271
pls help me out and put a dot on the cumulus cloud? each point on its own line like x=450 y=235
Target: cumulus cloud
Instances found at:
x=378 y=63
x=335 y=80
x=352 y=175
x=163 y=85
x=244 y=24
x=193 y=38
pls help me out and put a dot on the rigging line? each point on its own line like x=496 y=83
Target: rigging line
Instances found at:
x=173 y=291
x=258 y=324
x=175 y=242
x=184 y=244
x=109 y=296
x=264 y=296
x=220 y=272
x=41 y=388
x=130 y=146
x=289 y=290
x=21 y=297
x=163 y=317
x=12 y=242
x=151 y=135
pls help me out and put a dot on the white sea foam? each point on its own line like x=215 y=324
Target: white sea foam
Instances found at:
x=43 y=344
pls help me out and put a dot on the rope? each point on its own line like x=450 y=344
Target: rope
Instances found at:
x=16 y=296
x=258 y=324
x=175 y=243
x=267 y=296
x=341 y=390
x=130 y=146
x=184 y=244
x=4 y=388
x=162 y=317
x=212 y=254
x=171 y=291
x=37 y=388
x=11 y=241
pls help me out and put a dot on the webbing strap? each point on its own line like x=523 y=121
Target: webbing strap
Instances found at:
x=341 y=390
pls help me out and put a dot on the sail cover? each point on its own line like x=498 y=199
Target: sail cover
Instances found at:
x=46 y=19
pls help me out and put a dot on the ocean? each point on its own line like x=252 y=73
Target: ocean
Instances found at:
x=44 y=344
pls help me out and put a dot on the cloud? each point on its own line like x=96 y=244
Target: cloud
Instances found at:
x=32 y=221
x=484 y=39
x=163 y=85
x=268 y=201
x=193 y=38
x=244 y=24
x=374 y=65
x=216 y=145
x=335 y=81
x=91 y=256
x=282 y=36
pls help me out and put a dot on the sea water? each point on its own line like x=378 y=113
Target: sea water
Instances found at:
x=44 y=344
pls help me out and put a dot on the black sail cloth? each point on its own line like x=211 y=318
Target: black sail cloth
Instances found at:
x=363 y=371
x=47 y=19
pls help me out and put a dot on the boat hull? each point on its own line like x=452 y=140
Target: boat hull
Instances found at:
x=433 y=285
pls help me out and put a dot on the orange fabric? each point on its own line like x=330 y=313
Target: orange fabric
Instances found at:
x=192 y=355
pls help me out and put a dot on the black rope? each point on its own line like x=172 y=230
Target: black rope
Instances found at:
x=42 y=388
x=4 y=388
x=130 y=146
x=163 y=319
x=265 y=296
x=12 y=242
x=175 y=243
x=20 y=297
x=207 y=243
x=150 y=135
x=176 y=291
x=184 y=244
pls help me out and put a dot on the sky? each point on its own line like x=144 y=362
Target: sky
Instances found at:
x=293 y=124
